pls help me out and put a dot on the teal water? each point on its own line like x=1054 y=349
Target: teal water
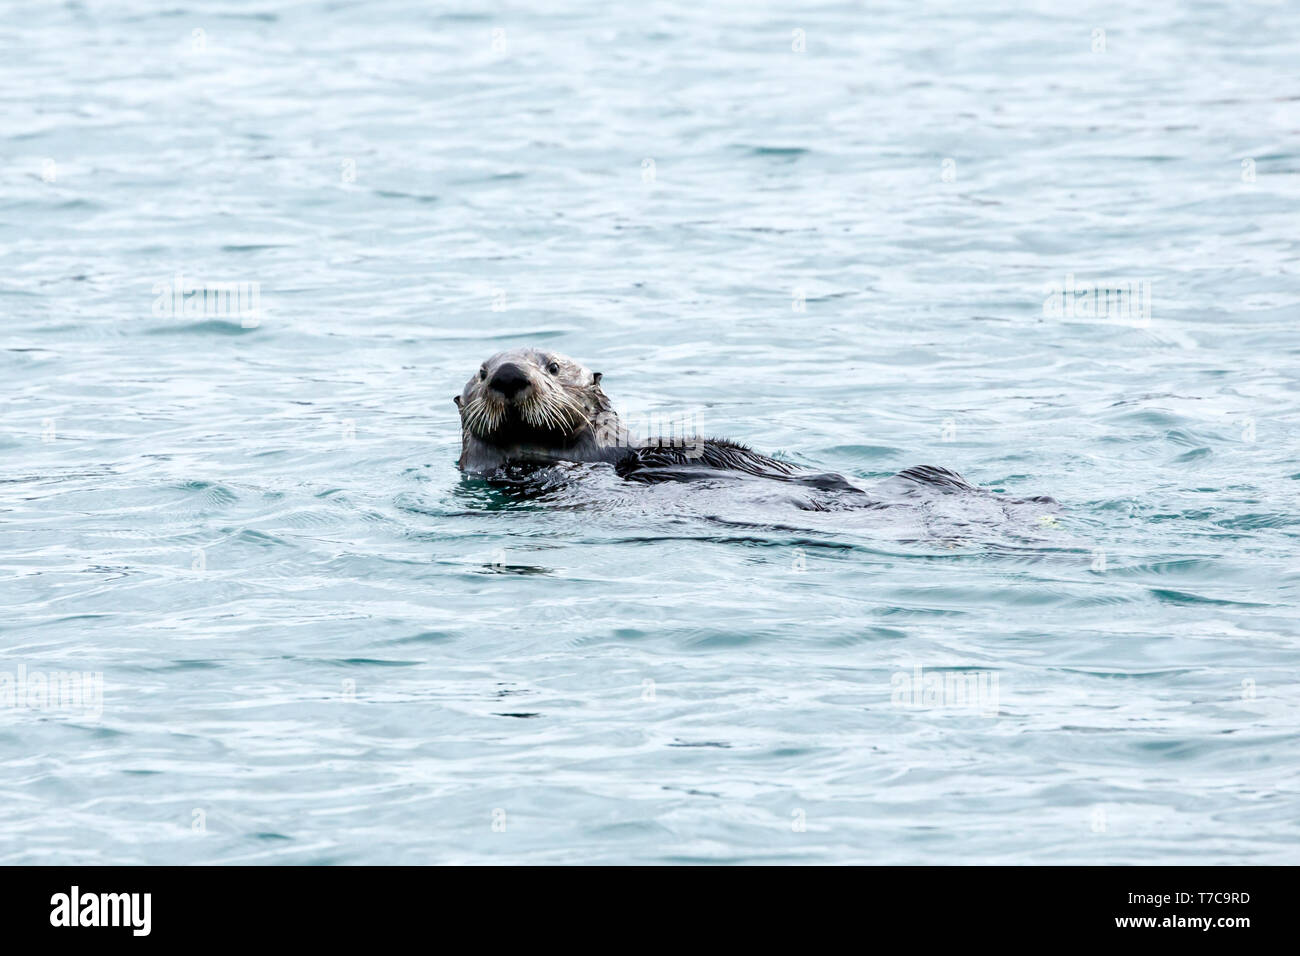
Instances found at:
x=318 y=643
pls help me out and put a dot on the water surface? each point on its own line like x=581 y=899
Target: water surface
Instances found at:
x=319 y=643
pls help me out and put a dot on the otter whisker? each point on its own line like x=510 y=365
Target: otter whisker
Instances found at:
x=558 y=412
x=569 y=411
x=576 y=412
x=545 y=413
x=573 y=404
x=556 y=415
x=482 y=417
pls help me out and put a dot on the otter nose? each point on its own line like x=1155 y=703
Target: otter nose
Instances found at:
x=509 y=380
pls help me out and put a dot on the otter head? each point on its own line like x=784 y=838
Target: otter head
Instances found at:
x=533 y=405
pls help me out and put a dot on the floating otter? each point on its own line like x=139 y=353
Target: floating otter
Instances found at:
x=534 y=406
x=528 y=407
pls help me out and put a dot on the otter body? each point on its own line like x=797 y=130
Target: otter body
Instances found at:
x=531 y=406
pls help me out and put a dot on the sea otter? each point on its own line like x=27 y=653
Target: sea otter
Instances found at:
x=534 y=406
x=528 y=407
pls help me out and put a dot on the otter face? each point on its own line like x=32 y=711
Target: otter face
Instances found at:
x=528 y=402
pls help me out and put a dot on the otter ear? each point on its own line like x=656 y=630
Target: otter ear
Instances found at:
x=456 y=399
x=596 y=377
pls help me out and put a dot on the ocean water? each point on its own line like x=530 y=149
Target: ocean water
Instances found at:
x=834 y=232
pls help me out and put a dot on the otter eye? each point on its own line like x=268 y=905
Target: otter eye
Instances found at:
x=482 y=372
x=553 y=368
